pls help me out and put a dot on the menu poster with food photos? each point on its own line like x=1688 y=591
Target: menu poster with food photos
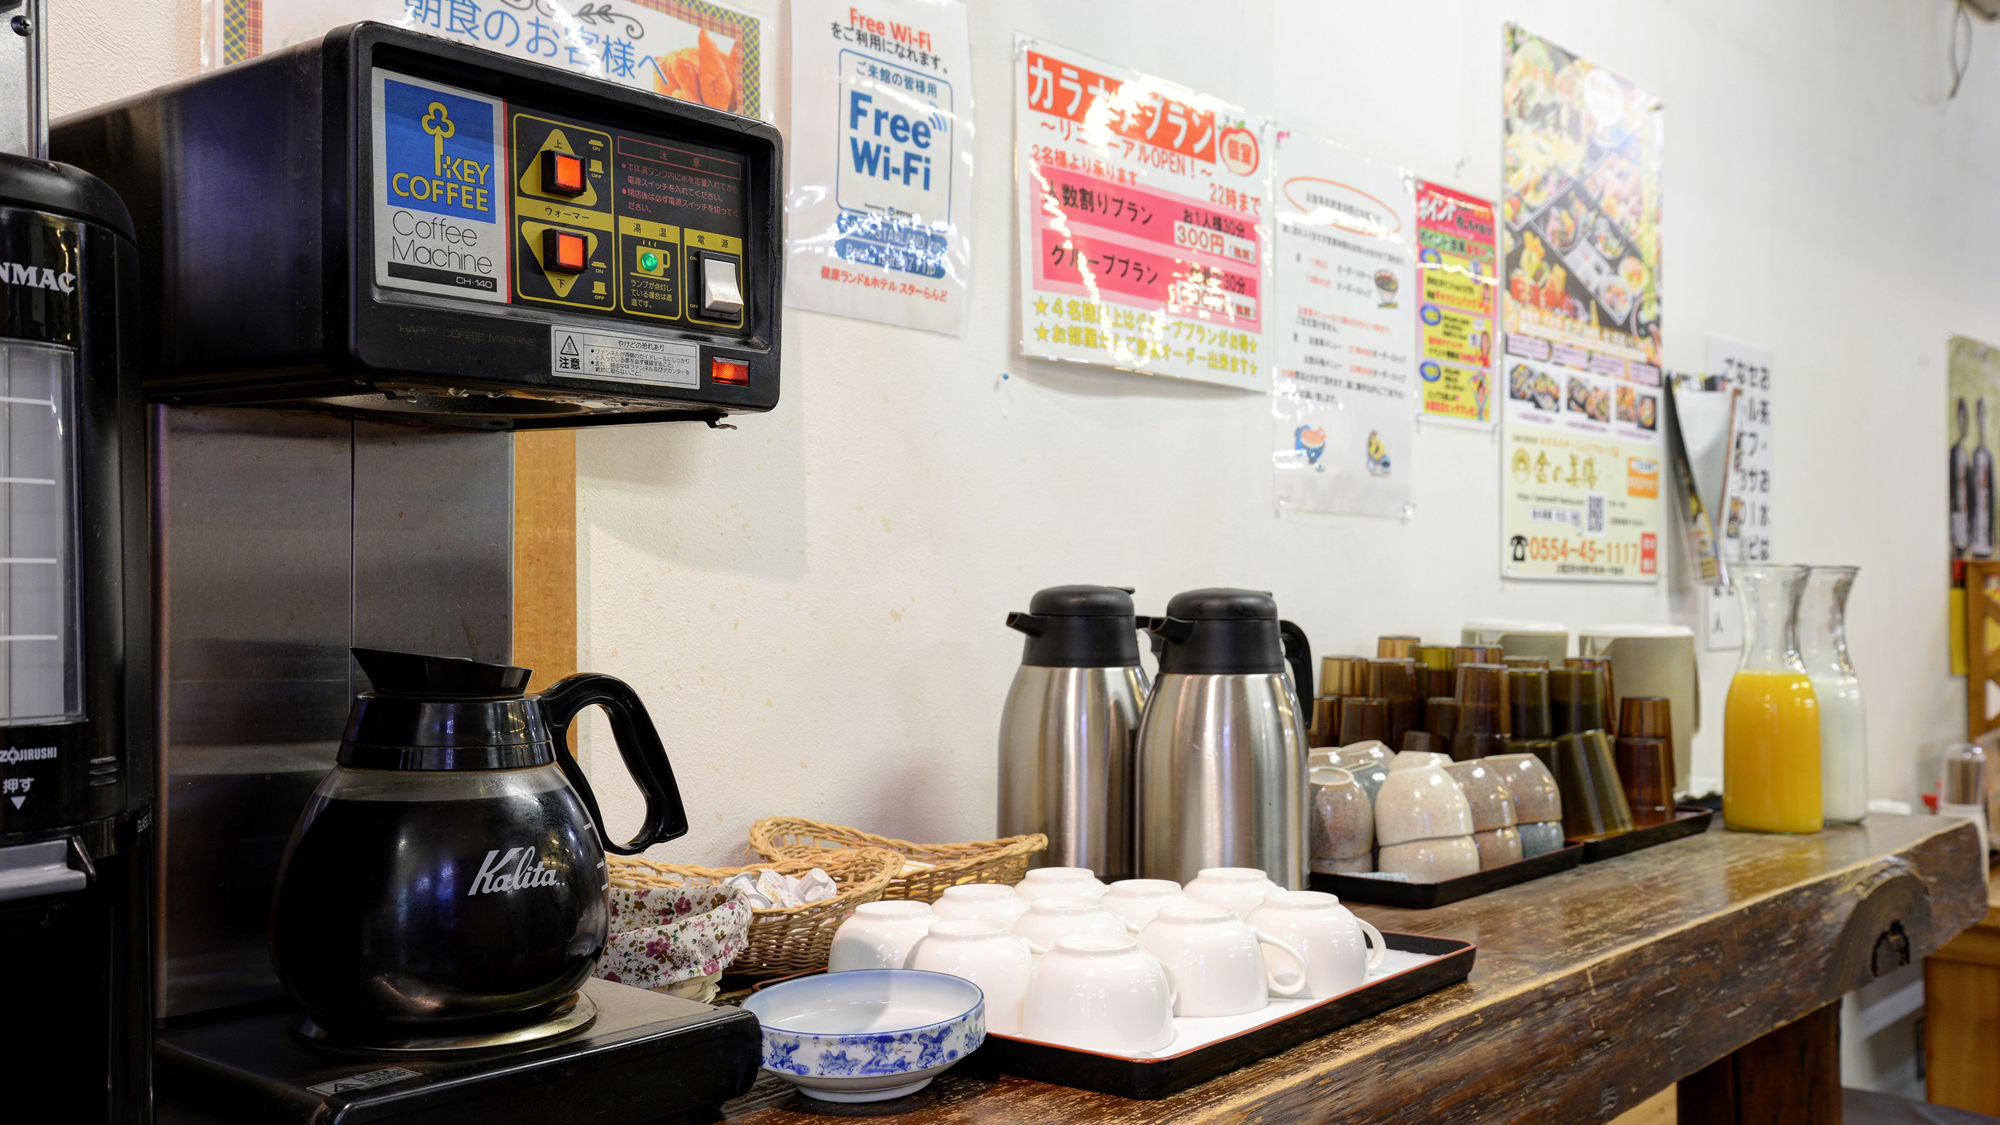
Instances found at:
x=1143 y=207
x=1343 y=275
x=1580 y=213
x=1580 y=483
x=694 y=50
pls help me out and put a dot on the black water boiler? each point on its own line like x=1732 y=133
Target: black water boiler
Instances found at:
x=76 y=726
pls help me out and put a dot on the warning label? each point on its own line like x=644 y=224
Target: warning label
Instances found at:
x=623 y=358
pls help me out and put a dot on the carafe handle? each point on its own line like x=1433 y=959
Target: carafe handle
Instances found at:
x=1299 y=654
x=638 y=744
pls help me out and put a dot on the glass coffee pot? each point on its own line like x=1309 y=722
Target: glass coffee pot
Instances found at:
x=446 y=886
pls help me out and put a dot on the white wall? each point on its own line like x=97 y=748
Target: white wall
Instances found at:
x=813 y=602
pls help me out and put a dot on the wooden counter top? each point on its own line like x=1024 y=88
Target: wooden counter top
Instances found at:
x=1593 y=989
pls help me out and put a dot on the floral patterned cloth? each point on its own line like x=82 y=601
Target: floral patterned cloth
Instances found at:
x=663 y=935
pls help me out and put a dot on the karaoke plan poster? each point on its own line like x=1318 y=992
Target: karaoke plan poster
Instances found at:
x=1142 y=215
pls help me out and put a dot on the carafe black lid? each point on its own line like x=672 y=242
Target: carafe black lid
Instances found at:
x=1079 y=627
x=443 y=713
x=1224 y=631
x=1220 y=603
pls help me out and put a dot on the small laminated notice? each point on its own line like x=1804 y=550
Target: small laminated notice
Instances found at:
x=622 y=357
x=365 y=1080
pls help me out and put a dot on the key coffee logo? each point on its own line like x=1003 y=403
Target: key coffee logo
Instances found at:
x=511 y=871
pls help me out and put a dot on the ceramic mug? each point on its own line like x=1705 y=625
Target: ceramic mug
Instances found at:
x=1059 y=882
x=1430 y=861
x=989 y=902
x=1492 y=802
x=1422 y=803
x=1238 y=888
x=1536 y=796
x=1359 y=865
x=1498 y=846
x=1541 y=838
x=1333 y=942
x=1100 y=992
x=1411 y=759
x=983 y=952
x=879 y=935
x=1137 y=900
x=1216 y=960
x=1342 y=825
x=1051 y=919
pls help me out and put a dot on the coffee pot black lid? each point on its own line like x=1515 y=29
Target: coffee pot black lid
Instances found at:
x=1221 y=603
x=443 y=713
x=1079 y=627
x=439 y=677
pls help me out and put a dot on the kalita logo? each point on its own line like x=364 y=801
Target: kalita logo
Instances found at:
x=34 y=277
x=511 y=871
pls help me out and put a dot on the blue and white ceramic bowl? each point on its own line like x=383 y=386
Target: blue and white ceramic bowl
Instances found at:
x=868 y=1035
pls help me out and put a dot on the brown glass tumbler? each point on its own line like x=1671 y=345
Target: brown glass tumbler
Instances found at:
x=1396 y=681
x=1593 y=798
x=1395 y=646
x=1478 y=734
x=1362 y=719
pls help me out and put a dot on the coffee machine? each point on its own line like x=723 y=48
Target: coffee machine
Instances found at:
x=366 y=261
x=76 y=716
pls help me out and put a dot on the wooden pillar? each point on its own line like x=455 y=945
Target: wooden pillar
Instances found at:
x=1790 y=1076
x=545 y=554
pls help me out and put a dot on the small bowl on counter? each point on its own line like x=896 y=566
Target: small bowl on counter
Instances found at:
x=868 y=1035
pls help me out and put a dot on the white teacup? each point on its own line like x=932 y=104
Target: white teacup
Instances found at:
x=984 y=902
x=1049 y=920
x=983 y=952
x=1100 y=992
x=1216 y=960
x=879 y=935
x=1059 y=882
x=1137 y=900
x=1334 y=942
x=1238 y=888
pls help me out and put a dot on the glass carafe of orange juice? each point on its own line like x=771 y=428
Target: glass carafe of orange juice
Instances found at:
x=1770 y=738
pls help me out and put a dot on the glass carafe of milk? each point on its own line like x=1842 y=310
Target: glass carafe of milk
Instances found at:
x=1843 y=728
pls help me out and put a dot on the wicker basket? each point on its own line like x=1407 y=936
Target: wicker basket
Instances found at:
x=794 y=939
x=945 y=865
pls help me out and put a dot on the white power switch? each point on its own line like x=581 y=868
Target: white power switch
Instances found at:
x=720 y=295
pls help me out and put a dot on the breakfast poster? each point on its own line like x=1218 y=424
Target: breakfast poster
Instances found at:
x=688 y=49
x=1343 y=279
x=1581 y=479
x=880 y=208
x=1142 y=218
x=1581 y=210
x=1458 y=305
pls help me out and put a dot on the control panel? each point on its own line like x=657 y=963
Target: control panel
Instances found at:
x=492 y=243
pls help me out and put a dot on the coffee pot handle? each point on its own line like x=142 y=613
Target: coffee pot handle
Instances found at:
x=1299 y=654
x=638 y=743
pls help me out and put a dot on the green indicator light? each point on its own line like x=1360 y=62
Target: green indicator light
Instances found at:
x=649 y=261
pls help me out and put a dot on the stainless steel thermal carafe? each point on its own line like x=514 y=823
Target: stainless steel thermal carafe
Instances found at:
x=1222 y=746
x=1069 y=726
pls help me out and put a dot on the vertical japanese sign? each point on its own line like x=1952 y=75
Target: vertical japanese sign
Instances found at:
x=1581 y=483
x=1743 y=527
x=688 y=49
x=1343 y=275
x=1581 y=243
x=1142 y=212
x=881 y=162
x=1458 y=305
x=1972 y=431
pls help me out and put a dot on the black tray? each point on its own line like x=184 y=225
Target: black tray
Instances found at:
x=1423 y=896
x=1686 y=822
x=1169 y=1074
